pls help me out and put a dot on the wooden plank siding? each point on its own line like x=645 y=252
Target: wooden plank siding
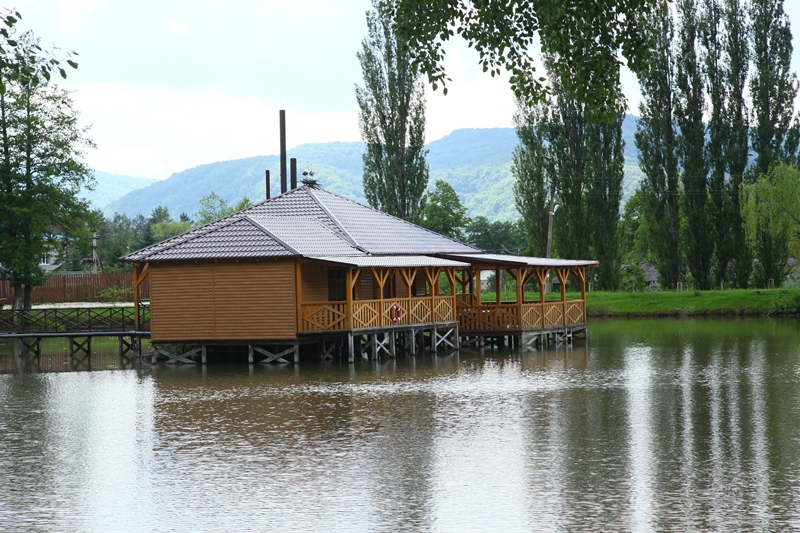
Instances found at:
x=223 y=301
x=315 y=282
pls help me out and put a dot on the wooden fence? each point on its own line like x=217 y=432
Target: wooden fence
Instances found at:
x=65 y=288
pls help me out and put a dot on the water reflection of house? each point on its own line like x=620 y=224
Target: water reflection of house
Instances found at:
x=309 y=264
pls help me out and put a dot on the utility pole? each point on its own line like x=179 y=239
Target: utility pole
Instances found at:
x=553 y=208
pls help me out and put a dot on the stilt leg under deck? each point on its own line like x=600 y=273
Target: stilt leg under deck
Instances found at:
x=80 y=352
x=351 y=354
x=26 y=347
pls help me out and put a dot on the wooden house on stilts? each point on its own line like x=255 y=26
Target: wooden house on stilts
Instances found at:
x=311 y=267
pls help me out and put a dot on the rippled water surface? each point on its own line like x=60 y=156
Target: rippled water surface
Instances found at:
x=647 y=426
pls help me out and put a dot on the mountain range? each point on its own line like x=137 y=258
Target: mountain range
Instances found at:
x=476 y=163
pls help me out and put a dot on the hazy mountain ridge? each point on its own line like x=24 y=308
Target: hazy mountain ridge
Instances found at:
x=476 y=162
x=109 y=187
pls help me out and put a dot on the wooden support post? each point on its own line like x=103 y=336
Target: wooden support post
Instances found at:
x=373 y=345
x=478 y=287
x=392 y=347
x=351 y=355
x=298 y=284
x=32 y=347
x=250 y=357
x=297 y=353
x=203 y=354
x=498 y=284
x=154 y=354
x=139 y=275
x=136 y=319
x=349 y=295
x=541 y=277
x=80 y=351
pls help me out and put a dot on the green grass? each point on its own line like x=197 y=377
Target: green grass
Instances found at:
x=778 y=302
x=751 y=302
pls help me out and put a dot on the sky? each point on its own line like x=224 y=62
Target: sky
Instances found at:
x=167 y=85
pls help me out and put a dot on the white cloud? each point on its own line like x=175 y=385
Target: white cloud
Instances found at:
x=154 y=132
x=178 y=28
x=74 y=12
x=474 y=99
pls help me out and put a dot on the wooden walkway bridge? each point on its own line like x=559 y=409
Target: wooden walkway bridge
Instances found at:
x=79 y=325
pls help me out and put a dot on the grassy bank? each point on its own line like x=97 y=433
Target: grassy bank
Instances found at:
x=733 y=302
x=751 y=302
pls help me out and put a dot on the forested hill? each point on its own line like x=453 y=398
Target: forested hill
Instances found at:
x=476 y=162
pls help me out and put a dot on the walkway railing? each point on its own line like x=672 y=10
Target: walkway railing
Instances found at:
x=69 y=320
x=370 y=314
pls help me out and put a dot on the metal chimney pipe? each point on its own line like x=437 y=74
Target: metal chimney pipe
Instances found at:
x=283 y=150
x=293 y=172
x=266 y=172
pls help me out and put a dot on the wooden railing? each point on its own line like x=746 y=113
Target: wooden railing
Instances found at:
x=369 y=314
x=72 y=320
x=527 y=317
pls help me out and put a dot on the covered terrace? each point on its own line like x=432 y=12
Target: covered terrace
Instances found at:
x=520 y=314
x=375 y=292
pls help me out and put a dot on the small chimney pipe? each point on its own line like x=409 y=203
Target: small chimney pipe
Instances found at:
x=293 y=172
x=283 y=150
x=266 y=173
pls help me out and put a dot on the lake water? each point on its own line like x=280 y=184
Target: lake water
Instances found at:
x=647 y=426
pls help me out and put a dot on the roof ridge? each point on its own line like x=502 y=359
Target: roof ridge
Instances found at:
x=311 y=220
x=348 y=238
x=270 y=234
x=392 y=216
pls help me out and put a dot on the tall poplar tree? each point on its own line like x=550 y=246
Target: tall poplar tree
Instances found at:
x=567 y=143
x=713 y=57
x=605 y=155
x=736 y=146
x=392 y=121
x=689 y=108
x=773 y=88
x=656 y=141
x=533 y=180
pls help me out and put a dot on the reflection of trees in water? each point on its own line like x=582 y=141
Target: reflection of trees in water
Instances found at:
x=690 y=427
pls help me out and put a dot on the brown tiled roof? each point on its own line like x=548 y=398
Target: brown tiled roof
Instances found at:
x=302 y=222
x=307 y=236
x=379 y=233
x=237 y=238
